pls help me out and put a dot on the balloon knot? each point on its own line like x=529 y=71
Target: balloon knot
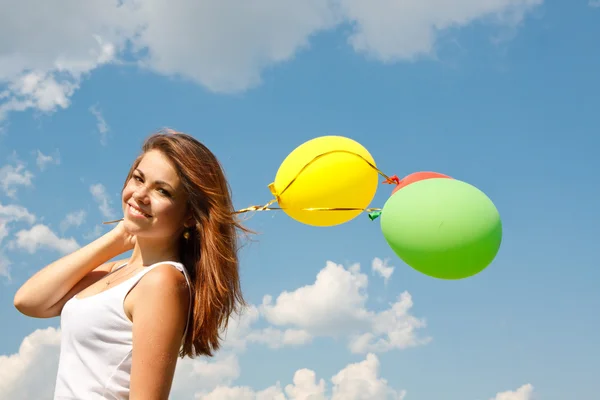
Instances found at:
x=392 y=180
x=272 y=189
x=374 y=215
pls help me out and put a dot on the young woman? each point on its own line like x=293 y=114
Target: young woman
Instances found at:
x=124 y=323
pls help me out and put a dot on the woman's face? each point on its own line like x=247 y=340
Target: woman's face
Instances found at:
x=154 y=200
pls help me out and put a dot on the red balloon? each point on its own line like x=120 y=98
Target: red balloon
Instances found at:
x=418 y=176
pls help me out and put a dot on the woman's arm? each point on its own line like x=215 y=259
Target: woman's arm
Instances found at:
x=46 y=292
x=159 y=314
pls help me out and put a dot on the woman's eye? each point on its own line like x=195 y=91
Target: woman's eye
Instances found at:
x=137 y=178
x=164 y=192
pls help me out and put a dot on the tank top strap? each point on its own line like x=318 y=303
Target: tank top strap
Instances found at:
x=136 y=278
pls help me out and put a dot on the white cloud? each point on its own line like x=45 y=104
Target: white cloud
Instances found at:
x=13 y=212
x=43 y=67
x=42 y=160
x=98 y=191
x=239 y=327
x=39 y=90
x=331 y=306
x=13 y=176
x=305 y=386
x=382 y=268
x=8 y=214
x=204 y=376
x=3 y=231
x=4 y=265
x=232 y=41
x=394 y=328
x=74 y=218
x=594 y=3
x=390 y=30
x=525 y=392
x=335 y=305
x=31 y=373
x=277 y=338
x=242 y=393
x=224 y=45
x=241 y=331
x=358 y=381
x=41 y=236
x=101 y=124
x=201 y=375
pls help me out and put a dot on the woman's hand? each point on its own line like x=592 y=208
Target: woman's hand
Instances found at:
x=123 y=237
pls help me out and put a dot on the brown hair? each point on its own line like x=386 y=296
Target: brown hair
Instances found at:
x=210 y=252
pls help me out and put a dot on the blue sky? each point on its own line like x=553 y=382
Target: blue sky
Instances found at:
x=504 y=95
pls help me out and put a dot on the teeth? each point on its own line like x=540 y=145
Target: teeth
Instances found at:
x=136 y=211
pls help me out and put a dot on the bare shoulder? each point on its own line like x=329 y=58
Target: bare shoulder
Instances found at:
x=164 y=281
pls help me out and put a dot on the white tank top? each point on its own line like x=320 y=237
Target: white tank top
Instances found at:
x=96 y=343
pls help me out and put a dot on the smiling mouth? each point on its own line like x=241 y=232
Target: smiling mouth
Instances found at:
x=137 y=211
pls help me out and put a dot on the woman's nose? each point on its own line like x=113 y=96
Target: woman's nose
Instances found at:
x=141 y=194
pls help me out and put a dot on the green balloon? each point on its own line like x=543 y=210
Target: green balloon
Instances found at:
x=443 y=228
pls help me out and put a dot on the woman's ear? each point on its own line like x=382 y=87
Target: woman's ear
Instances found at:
x=190 y=222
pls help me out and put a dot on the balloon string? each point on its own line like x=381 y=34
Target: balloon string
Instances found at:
x=373 y=212
x=388 y=179
x=326 y=154
x=267 y=207
x=263 y=208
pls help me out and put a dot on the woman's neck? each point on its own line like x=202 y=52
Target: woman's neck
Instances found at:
x=147 y=252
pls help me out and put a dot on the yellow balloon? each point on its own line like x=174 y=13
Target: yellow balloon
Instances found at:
x=323 y=173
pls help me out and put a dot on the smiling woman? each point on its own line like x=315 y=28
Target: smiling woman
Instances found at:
x=125 y=323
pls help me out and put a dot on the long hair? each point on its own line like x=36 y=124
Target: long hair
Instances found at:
x=210 y=252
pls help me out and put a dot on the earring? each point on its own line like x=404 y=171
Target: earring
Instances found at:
x=186 y=235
